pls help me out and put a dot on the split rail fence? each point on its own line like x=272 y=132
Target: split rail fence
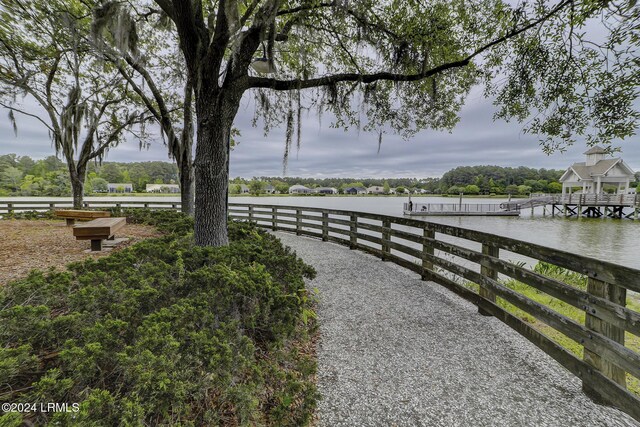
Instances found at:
x=39 y=205
x=451 y=255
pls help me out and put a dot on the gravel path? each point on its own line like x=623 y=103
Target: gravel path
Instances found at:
x=396 y=351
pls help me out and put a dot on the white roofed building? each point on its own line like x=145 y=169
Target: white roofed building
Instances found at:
x=119 y=188
x=326 y=190
x=597 y=171
x=162 y=188
x=375 y=190
x=299 y=189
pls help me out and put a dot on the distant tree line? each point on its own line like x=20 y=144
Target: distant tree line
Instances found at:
x=465 y=179
x=499 y=180
x=23 y=176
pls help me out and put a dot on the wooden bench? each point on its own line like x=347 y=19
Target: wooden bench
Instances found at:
x=98 y=230
x=72 y=215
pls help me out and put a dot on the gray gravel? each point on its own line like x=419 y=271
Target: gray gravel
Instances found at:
x=397 y=351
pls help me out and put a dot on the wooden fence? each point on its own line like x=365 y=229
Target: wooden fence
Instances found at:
x=451 y=255
x=478 y=208
x=39 y=205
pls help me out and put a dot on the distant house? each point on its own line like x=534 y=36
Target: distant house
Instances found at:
x=376 y=189
x=596 y=171
x=244 y=189
x=355 y=190
x=163 y=188
x=269 y=189
x=395 y=191
x=300 y=189
x=119 y=188
x=326 y=190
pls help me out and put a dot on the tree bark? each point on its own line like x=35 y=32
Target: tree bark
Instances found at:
x=212 y=170
x=187 y=184
x=77 y=186
x=183 y=153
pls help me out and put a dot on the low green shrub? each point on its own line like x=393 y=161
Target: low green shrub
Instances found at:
x=164 y=333
x=167 y=221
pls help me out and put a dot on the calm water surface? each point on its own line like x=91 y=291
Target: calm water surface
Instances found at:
x=607 y=239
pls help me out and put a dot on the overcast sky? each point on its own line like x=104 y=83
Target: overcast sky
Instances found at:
x=327 y=152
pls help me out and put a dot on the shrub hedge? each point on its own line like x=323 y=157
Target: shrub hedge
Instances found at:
x=164 y=333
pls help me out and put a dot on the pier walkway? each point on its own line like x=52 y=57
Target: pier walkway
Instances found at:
x=398 y=351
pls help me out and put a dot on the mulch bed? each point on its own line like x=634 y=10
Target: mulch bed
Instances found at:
x=42 y=244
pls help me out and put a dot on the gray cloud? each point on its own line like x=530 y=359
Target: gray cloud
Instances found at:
x=477 y=140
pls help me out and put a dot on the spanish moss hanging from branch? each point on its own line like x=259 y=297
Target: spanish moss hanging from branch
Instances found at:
x=288 y=140
x=12 y=119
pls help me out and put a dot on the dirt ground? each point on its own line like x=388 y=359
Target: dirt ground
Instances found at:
x=29 y=244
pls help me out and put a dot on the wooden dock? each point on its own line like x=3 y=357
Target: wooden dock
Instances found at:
x=588 y=205
x=460 y=209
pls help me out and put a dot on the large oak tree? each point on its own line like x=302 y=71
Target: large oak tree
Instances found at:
x=413 y=62
x=45 y=59
x=569 y=68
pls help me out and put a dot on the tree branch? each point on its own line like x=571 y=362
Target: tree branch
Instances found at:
x=519 y=31
x=167 y=7
x=24 y=113
x=50 y=77
x=113 y=136
x=162 y=113
x=304 y=8
x=269 y=83
x=259 y=82
x=221 y=36
x=248 y=12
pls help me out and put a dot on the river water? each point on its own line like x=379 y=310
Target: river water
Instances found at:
x=612 y=240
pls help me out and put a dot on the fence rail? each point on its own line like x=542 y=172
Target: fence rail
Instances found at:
x=435 y=251
x=458 y=207
x=9 y=206
x=597 y=199
x=581 y=199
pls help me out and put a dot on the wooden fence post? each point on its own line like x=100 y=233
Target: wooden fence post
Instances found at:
x=325 y=226
x=353 y=229
x=9 y=207
x=428 y=250
x=52 y=206
x=490 y=273
x=617 y=295
x=298 y=222
x=250 y=213
x=386 y=238
x=274 y=218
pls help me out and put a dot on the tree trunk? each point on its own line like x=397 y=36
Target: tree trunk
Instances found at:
x=77 y=188
x=183 y=153
x=187 y=184
x=212 y=172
